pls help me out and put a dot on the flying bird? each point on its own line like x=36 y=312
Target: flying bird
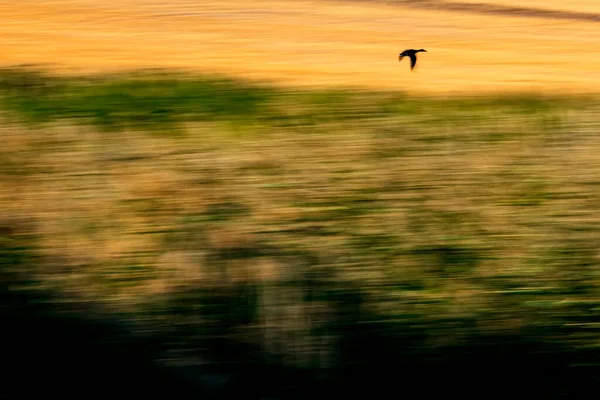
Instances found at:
x=412 y=54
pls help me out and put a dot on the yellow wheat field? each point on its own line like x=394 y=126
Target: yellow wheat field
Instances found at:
x=313 y=43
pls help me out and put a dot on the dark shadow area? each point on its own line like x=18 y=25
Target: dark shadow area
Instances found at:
x=54 y=349
x=70 y=356
x=76 y=355
x=394 y=358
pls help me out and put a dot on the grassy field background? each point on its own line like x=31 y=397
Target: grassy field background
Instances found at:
x=333 y=223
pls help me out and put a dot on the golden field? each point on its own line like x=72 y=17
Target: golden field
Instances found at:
x=304 y=43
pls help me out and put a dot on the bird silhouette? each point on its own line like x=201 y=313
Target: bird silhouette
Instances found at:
x=412 y=54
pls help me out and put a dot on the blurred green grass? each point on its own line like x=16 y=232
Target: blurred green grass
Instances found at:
x=156 y=100
x=459 y=215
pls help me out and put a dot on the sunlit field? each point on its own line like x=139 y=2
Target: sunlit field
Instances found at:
x=256 y=200
x=299 y=43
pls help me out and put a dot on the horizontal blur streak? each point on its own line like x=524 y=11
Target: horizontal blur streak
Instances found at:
x=203 y=236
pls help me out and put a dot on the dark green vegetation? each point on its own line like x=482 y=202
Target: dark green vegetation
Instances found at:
x=297 y=241
x=163 y=100
x=146 y=100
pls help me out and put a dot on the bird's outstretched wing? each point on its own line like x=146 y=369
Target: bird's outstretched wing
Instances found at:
x=400 y=58
x=413 y=61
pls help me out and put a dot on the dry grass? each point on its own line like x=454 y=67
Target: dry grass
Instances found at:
x=309 y=43
x=129 y=215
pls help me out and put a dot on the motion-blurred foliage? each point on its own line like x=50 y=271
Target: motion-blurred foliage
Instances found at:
x=155 y=100
x=346 y=233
